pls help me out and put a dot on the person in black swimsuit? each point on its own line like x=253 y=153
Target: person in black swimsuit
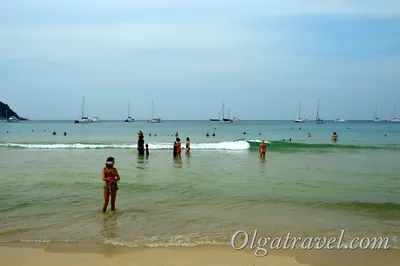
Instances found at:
x=140 y=145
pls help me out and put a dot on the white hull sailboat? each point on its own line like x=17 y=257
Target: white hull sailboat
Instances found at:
x=394 y=119
x=153 y=119
x=299 y=119
x=84 y=119
x=375 y=118
x=13 y=119
x=318 y=119
x=129 y=119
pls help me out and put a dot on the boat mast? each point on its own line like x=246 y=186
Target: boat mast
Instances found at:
x=152 y=109
x=298 y=113
x=223 y=110
x=83 y=106
x=318 y=110
x=129 y=109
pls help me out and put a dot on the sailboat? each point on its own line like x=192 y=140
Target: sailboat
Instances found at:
x=319 y=120
x=226 y=120
x=129 y=119
x=375 y=118
x=153 y=120
x=219 y=116
x=84 y=119
x=299 y=119
x=394 y=119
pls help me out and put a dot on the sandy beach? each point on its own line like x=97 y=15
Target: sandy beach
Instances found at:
x=194 y=256
x=209 y=256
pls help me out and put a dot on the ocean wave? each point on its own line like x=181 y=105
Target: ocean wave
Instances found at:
x=240 y=144
x=226 y=145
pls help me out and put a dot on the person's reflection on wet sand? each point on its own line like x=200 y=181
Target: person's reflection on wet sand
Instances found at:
x=109 y=232
x=178 y=162
x=141 y=162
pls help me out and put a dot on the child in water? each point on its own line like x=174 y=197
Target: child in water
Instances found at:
x=147 y=149
x=262 y=149
x=110 y=177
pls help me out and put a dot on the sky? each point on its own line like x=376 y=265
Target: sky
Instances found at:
x=259 y=57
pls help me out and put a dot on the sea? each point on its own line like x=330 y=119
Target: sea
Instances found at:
x=52 y=192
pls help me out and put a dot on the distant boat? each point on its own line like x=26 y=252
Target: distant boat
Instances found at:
x=84 y=119
x=375 y=118
x=96 y=119
x=319 y=120
x=340 y=120
x=219 y=116
x=394 y=119
x=299 y=119
x=13 y=119
x=226 y=120
x=129 y=119
x=153 y=119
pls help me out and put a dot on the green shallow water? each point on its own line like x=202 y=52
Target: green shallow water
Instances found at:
x=55 y=195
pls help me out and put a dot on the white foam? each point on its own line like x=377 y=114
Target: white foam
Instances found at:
x=227 y=145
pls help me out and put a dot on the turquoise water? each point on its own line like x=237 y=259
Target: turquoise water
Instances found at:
x=52 y=188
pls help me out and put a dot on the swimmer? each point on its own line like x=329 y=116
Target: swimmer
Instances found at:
x=213 y=134
x=176 y=134
x=54 y=133
x=262 y=149
x=309 y=135
x=334 y=137
x=65 y=133
x=147 y=149
x=207 y=135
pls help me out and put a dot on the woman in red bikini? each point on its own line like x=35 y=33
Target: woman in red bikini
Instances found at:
x=110 y=177
x=262 y=149
x=178 y=147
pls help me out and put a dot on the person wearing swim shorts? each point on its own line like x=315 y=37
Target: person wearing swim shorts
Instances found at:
x=262 y=149
x=110 y=177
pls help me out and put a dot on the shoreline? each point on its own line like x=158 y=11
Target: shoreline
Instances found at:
x=54 y=254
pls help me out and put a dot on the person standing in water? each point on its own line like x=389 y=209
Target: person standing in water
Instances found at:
x=110 y=177
x=262 y=149
x=175 y=148
x=178 y=147
x=187 y=145
x=140 y=145
x=334 y=137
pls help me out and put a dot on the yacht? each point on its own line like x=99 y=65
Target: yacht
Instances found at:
x=394 y=119
x=13 y=119
x=299 y=119
x=319 y=120
x=153 y=119
x=129 y=119
x=375 y=118
x=84 y=119
x=340 y=120
x=96 y=119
